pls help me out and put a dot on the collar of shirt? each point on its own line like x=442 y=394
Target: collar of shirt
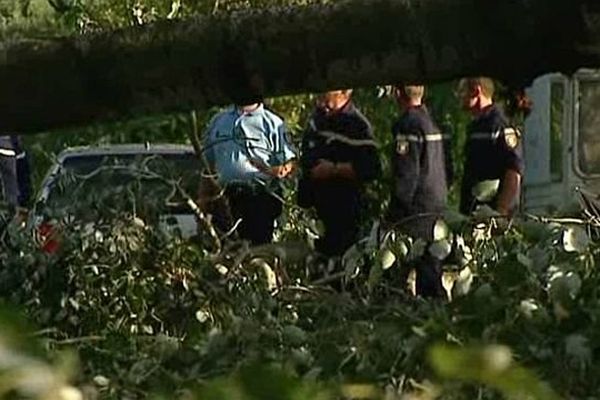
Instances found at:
x=257 y=111
x=487 y=110
x=347 y=108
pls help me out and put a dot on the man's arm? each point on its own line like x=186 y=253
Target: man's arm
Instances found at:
x=511 y=187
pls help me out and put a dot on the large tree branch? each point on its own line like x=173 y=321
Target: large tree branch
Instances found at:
x=171 y=66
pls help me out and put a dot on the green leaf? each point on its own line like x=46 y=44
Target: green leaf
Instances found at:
x=577 y=348
x=294 y=335
x=440 y=249
x=485 y=211
x=462 y=284
x=489 y=365
x=575 y=239
x=528 y=307
x=455 y=220
x=387 y=259
x=417 y=249
x=485 y=191
x=563 y=286
x=441 y=230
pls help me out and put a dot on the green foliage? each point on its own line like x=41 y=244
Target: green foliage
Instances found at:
x=151 y=313
x=148 y=312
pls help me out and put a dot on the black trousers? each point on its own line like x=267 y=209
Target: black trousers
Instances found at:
x=339 y=208
x=429 y=277
x=9 y=189
x=428 y=268
x=257 y=208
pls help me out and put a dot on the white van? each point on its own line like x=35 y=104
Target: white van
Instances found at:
x=562 y=140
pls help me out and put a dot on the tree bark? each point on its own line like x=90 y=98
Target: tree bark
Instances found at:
x=175 y=66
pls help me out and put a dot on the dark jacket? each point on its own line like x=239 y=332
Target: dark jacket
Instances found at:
x=14 y=171
x=344 y=136
x=493 y=147
x=418 y=166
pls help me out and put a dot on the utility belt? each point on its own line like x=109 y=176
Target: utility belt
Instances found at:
x=252 y=188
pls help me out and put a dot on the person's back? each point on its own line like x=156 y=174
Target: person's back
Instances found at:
x=14 y=172
x=419 y=176
x=418 y=165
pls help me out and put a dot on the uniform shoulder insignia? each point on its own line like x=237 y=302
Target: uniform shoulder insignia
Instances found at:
x=402 y=145
x=512 y=136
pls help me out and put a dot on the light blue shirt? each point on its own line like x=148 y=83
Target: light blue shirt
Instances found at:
x=235 y=137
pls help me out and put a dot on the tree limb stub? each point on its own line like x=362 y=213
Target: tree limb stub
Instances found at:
x=182 y=65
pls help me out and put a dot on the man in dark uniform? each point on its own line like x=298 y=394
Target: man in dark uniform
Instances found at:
x=339 y=157
x=493 y=149
x=420 y=189
x=14 y=173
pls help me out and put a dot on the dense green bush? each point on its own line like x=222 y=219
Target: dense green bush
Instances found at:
x=148 y=312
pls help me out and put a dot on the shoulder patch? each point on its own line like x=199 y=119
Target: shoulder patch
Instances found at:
x=402 y=145
x=512 y=137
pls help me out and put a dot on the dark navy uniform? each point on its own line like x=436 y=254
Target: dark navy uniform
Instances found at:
x=344 y=136
x=14 y=172
x=493 y=147
x=420 y=188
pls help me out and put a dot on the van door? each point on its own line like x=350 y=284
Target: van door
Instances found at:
x=586 y=163
x=546 y=144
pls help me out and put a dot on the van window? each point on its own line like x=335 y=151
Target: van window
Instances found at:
x=588 y=145
x=557 y=109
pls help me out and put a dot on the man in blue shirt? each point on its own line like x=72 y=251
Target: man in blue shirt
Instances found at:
x=14 y=173
x=246 y=146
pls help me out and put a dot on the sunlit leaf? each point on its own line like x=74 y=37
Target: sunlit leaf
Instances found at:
x=440 y=249
x=485 y=211
x=575 y=239
x=462 y=284
x=490 y=365
x=485 y=191
x=387 y=259
x=528 y=307
x=441 y=230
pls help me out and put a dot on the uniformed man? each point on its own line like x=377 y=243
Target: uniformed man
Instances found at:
x=14 y=173
x=248 y=149
x=419 y=175
x=493 y=149
x=339 y=157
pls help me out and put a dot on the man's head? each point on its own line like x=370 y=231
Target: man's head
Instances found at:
x=334 y=100
x=476 y=93
x=244 y=100
x=409 y=95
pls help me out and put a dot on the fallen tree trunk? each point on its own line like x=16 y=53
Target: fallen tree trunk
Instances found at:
x=173 y=66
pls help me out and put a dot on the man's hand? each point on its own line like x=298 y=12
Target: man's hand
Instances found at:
x=323 y=170
x=279 y=171
x=284 y=170
x=511 y=187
